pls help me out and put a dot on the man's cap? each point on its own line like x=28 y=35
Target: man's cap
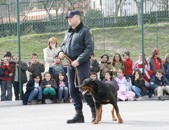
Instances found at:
x=72 y=13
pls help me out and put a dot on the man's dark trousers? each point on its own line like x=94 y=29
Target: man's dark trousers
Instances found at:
x=83 y=73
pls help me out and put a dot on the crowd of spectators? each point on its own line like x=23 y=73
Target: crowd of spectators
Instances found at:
x=48 y=80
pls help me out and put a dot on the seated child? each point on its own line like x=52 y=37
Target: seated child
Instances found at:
x=138 y=85
x=124 y=93
x=108 y=76
x=49 y=87
x=63 y=88
x=56 y=68
x=138 y=65
x=117 y=63
x=105 y=65
x=33 y=90
x=109 y=79
x=159 y=84
x=166 y=66
x=93 y=75
x=94 y=65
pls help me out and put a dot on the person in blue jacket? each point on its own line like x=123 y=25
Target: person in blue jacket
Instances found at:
x=33 y=90
x=159 y=84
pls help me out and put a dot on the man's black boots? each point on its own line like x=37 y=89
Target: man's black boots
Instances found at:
x=93 y=110
x=78 y=118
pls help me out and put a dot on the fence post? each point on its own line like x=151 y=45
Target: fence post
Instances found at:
x=103 y=25
x=156 y=30
x=142 y=34
x=19 y=52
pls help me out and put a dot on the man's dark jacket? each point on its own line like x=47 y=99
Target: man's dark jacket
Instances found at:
x=77 y=44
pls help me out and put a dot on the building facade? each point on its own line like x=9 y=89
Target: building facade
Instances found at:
x=127 y=7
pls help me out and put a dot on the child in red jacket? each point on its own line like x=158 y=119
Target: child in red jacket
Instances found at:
x=128 y=64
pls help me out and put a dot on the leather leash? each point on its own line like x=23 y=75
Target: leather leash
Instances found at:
x=76 y=80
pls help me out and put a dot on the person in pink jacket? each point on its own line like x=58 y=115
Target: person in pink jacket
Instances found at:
x=124 y=92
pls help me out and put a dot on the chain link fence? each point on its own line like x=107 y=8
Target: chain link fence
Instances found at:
x=115 y=24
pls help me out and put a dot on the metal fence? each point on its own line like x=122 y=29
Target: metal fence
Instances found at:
x=116 y=24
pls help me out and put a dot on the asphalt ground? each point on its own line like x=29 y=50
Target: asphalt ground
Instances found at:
x=137 y=115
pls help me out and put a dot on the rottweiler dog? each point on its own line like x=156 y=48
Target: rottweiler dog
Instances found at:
x=103 y=93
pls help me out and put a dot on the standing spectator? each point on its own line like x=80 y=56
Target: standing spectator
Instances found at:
x=138 y=65
x=23 y=76
x=117 y=63
x=124 y=92
x=138 y=85
x=78 y=46
x=35 y=67
x=94 y=65
x=128 y=64
x=50 y=52
x=159 y=84
x=63 y=92
x=8 y=70
x=1 y=72
x=49 y=87
x=105 y=66
x=33 y=90
x=155 y=61
x=166 y=66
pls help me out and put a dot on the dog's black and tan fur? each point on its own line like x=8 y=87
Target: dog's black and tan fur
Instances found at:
x=103 y=93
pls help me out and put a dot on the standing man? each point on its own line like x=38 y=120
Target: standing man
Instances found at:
x=78 y=46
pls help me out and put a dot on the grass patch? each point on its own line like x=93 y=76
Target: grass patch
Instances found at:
x=107 y=40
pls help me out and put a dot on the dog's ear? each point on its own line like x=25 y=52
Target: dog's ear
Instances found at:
x=99 y=85
x=86 y=82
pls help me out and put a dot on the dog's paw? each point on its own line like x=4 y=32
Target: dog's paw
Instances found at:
x=120 y=121
x=114 y=119
x=95 y=122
